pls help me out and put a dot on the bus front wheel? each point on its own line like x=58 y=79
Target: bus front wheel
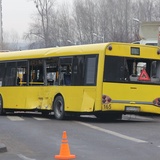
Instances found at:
x=58 y=108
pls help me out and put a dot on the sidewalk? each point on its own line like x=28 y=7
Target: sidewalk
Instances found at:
x=3 y=148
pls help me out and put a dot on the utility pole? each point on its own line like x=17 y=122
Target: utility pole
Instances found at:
x=1 y=28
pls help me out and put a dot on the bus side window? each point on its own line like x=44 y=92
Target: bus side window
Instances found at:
x=158 y=69
x=116 y=72
x=10 y=75
x=78 y=71
x=52 y=71
x=65 y=72
x=22 y=68
x=2 y=72
x=155 y=71
x=126 y=70
x=36 y=72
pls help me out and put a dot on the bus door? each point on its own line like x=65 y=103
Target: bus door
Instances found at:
x=13 y=78
x=89 y=93
x=38 y=97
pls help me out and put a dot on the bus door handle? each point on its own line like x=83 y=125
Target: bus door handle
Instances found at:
x=133 y=87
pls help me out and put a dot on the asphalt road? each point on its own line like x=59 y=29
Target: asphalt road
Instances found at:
x=34 y=137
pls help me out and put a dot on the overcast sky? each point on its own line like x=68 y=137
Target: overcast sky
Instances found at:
x=17 y=15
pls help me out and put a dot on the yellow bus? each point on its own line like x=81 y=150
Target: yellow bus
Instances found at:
x=107 y=80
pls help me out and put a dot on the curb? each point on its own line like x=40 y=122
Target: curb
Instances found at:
x=3 y=148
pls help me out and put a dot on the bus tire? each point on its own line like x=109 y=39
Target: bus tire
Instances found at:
x=58 y=108
x=1 y=105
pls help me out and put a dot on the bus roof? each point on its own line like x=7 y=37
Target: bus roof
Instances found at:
x=73 y=50
x=49 y=52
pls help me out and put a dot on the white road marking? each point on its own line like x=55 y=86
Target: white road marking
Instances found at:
x=88 y=116
x=113 y=133
x=136 y=117
x=24 y=157
x=15 y=118
x=40 y=119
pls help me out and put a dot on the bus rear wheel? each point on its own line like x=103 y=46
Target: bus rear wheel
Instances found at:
x=58 y=108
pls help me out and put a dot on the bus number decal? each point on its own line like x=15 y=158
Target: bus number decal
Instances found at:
x=107 y=106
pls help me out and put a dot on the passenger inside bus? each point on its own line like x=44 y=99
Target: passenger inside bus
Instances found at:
x=67 y=76
x=25 y=77
x=18 y=81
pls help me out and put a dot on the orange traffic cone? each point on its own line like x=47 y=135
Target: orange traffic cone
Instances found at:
x=64 y=150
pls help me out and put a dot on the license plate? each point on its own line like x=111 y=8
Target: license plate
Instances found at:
x=132 y=109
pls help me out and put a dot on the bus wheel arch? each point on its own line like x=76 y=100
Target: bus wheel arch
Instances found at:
x=59 y=107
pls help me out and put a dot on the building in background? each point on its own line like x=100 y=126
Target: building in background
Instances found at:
x=149 y=33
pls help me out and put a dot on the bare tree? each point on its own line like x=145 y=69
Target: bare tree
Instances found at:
x=66 y=32
x=145 y=10
x=86 y=20
x=156 y=10
x=11 y=41
x=90 y=21
x=39 y=29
